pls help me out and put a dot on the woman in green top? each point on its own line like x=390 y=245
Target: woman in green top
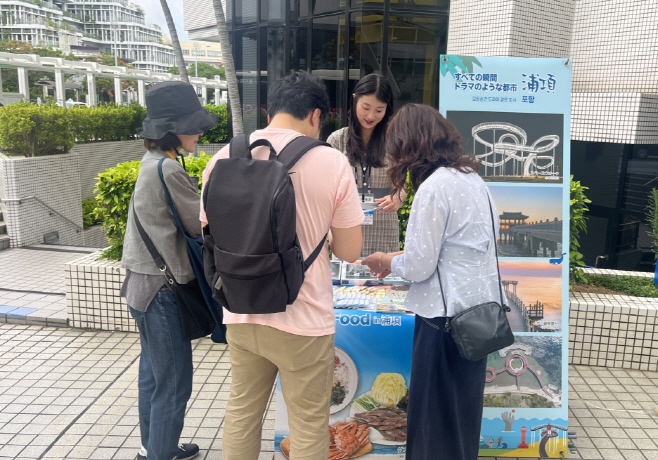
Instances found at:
x=363 y=143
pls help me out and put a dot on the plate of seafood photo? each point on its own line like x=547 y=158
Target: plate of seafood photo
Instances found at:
x=383 y=409
x=346 y=381
x=346 y=440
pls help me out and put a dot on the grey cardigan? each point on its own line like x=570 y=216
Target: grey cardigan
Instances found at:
x=155 y=216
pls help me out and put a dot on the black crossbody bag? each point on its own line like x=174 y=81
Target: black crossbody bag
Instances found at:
x=481 y=329
x=195 y=317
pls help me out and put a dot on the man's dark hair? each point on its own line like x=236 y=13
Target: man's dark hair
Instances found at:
x=298 y=94
x=169 y=143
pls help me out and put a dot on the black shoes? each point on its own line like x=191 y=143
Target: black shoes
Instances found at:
x=185 y=452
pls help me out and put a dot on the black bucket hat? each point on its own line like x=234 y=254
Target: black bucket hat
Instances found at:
x=173 y=107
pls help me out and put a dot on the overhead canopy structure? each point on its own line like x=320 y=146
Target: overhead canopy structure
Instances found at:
x=93 y=70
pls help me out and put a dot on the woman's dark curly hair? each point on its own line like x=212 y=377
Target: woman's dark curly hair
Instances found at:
x=419 y=141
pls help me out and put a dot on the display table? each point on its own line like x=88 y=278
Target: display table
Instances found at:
x=372 y=369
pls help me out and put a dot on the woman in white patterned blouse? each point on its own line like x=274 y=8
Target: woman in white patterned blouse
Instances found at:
x=450 y=230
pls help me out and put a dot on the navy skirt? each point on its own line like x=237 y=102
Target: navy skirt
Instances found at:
x=446 y=396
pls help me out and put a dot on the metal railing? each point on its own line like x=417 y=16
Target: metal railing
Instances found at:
x=78 y=229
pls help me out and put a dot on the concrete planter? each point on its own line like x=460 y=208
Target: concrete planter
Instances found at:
x=614 y=330
x=604 y=330
x=93 y=299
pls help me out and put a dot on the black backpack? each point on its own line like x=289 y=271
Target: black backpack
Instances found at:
x=252 y=257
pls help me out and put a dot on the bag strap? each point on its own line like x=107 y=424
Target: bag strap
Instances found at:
x=179 y=223
x=316 y=252
x=157 y=258
x=239 y=146
x=296 y=149
x=289 y=156
x=500 y=288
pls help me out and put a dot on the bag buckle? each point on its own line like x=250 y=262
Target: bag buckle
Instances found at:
x=168 y=277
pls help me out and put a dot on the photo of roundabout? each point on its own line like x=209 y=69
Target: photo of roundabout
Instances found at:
x=520 y=376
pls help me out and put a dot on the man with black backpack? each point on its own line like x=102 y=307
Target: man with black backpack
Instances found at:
x=269 y=201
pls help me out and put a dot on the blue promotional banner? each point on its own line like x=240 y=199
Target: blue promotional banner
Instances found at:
x=514 y=116
x=372 y=369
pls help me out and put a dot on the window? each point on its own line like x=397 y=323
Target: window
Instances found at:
x=186 y=52
x=214 y=54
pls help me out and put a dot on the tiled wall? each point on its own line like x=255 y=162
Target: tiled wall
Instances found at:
x=615 y=43
x=55 y=181
x=510 y=28
x=613 y=331
x=94 y=237
x=209 y=149
x=621 y=118
x=647 y=120
x=93 y=298
x=62 y=182
x=97 y=157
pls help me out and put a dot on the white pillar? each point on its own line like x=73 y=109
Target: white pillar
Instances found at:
x=141 y=92
x=23 y=83
x=0 y=81
x=60 y=91
x=217 y=95
x=204 y=94
x=91 y=89
x=117 y=91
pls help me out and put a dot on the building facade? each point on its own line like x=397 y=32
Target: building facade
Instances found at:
x=106 y=26
x=206 y=52
x=613 y=45
x=337 y=40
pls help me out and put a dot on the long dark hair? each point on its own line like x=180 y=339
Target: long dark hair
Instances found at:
x=357 y=152
x=419 y=141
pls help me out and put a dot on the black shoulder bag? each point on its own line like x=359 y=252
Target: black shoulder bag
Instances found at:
x=195 y=317
x=484 y=328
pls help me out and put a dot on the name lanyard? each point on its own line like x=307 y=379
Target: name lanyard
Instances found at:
x=366 y=172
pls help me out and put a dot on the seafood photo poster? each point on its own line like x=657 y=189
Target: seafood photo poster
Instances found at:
x=514 y=115
x=372 y=368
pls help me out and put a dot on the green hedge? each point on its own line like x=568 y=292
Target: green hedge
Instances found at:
x=115 y=186
x=219 y=133
x=35 y=130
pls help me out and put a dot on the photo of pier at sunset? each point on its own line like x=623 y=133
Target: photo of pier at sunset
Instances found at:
x=533 y=289
x=530 y=220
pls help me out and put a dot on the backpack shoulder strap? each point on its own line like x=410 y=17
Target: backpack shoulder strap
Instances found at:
x=239 y=147
x=296 y=149
x=316 y=252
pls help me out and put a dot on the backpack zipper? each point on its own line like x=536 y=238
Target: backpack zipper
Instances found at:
x=273 y=223
x=240 y=277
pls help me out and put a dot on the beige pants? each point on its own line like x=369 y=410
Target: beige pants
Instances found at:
x=306 y=368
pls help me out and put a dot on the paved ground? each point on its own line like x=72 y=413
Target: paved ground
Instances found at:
x=32 y=287
x=72 y=394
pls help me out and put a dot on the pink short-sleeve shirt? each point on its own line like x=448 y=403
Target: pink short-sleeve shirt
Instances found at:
x=326 y=196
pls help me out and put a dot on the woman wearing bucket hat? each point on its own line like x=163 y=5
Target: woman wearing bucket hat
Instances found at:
x=175 y=120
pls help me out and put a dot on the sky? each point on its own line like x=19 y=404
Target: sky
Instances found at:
x=538 y=280
x=154 y=15
x=536 y=202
